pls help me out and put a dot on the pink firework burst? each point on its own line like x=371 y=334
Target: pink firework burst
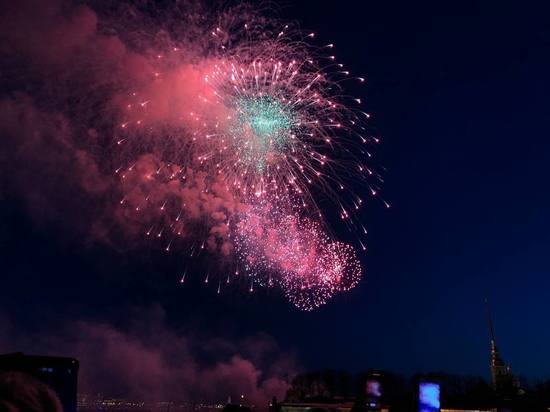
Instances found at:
x=280 y=248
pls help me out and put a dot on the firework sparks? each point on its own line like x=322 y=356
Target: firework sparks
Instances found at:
x=278 y=247
x=263 y=129
x=263 y=137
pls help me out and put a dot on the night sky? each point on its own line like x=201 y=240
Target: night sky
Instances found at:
x=458 y=93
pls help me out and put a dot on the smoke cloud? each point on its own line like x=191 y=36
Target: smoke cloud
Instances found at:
x=70 y=79
x=150 y=361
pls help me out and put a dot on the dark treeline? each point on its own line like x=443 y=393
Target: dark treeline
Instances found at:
x=457 y=391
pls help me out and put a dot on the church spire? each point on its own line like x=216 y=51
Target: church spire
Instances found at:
x=501 y=374
x=497 y=365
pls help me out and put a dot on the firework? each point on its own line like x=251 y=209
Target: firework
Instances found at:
x=279 y=248
x=285 y=128
x=250 y=151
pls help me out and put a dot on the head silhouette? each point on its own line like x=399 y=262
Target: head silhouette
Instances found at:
x=20 y=392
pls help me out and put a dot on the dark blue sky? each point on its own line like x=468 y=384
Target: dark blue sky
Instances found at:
x=459 y=93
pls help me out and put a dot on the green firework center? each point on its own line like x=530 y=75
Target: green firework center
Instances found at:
x=264 y=126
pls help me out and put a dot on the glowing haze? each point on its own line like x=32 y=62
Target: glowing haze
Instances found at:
x=213 y=131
